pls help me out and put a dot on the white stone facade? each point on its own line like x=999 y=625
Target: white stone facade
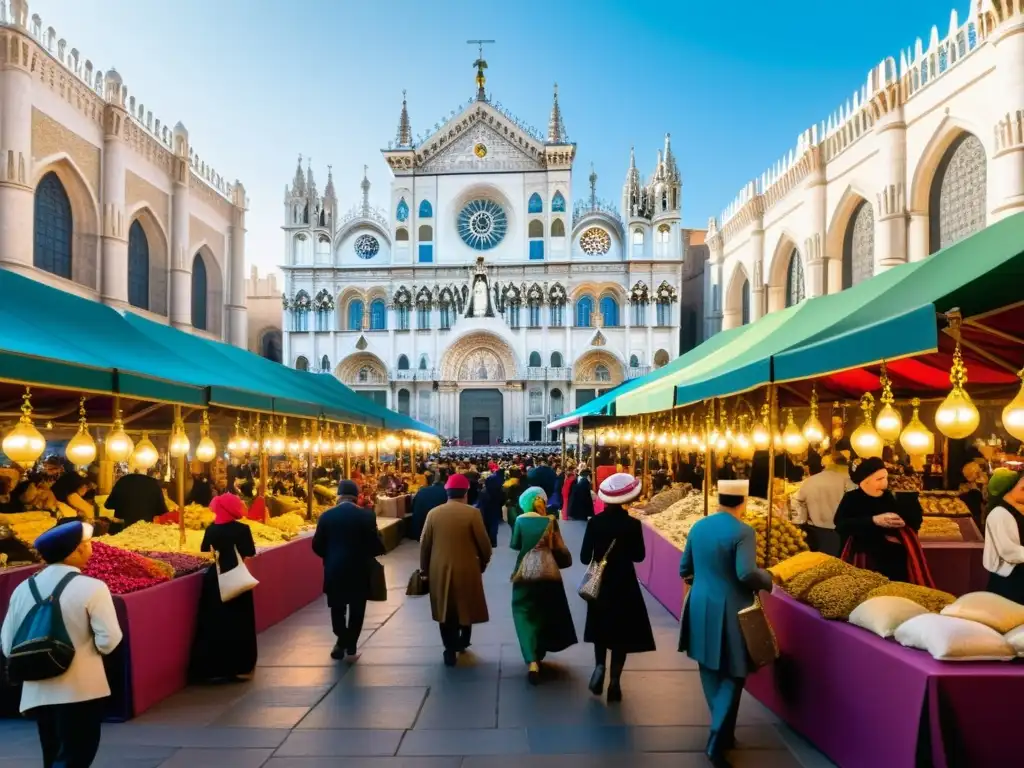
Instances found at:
x=99 y=199
x=929 y=150
x=482 y=302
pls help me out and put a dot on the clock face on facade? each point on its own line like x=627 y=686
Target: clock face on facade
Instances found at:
x=480 y=150
x=482 y=224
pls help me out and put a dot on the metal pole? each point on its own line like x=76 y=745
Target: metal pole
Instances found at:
x=707 y=460
x=579 y=445
x=773 y=425
x=348 y=455
x=179 y=482
x=593 y=456
x=265 y=469
x=309 y=482
x=645 y=473
x=563 y=449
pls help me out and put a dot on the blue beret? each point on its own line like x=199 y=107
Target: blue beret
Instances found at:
x=60 y=541
x=348 y=488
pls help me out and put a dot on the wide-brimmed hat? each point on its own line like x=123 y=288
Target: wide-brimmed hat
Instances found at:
x=620 y=488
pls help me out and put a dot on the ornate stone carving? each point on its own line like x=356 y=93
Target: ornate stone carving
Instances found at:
x=600 y=368
x=481 y=365
x=479 y=356
x=958 y=199
x=501 y=154
x=639 y=294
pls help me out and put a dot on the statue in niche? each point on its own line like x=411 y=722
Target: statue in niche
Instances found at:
x=479 y=299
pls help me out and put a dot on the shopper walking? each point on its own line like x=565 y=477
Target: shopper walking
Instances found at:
x=720 y=559
x=348 y=542
x=540 y=609
x=68 y=708
x=491 y=501
x=454 y=552
x=581 y=502
x=816 y=501
x=617 y=620
x=426 y=498
x=224 y=647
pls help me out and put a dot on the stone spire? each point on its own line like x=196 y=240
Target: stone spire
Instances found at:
x=310 y=184
x=632 y=175
x=556 y=128
x=403 y=137
x=299 y=182
x=365 y=186
x=329 y=189
x=671 y=169
x=659 y=169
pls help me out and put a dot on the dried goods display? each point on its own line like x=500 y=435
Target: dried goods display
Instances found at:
x=288 y=523
x=836 y=597
x=123 y=571
x=801 y=584
x=181 y=562
x=149 y=537
x=794 y=566
x=932 y=599
x=27 y=526
x=905 y=483
x=786 y=540
x=940 y=529
x=197 y=517
x=662 y=501
x=264 y=535
x=945 y=503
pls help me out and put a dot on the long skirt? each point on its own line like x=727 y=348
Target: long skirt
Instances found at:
x=225 y=641
x=1011 y=587
x=540 y=612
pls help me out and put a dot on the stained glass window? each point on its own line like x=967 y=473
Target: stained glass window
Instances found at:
x=378 y=315
x=595 y=242
x=138 y=266
x=584 y=309
x=426 y=210
x=958 y=194
x=199 y=289
x=859 y=246
x=482 y=224
x=610 y=311
x=355 y=315
x=366 y=246
x=54 y=226
x=402 y=211
x=795 y=292
x=558 y=203
x=536 y=205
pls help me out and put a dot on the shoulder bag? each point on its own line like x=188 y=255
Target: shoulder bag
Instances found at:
x=539 y=563
x=590 y=586
x=758 y=635
x=378 y=583
x=418 y=585
x=235 y=582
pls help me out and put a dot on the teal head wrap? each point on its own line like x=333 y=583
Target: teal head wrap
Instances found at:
x=526 y=498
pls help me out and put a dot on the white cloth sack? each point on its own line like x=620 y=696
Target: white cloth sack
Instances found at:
x=235 y=582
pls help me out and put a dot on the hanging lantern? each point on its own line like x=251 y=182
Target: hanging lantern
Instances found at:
x=119 y=446
x=865 y=440
x=371 y=446
x=957 y=417
x=145 y=454
x=793 y=439
x=206 y=451
x=307 y=444
x=279 y=441
x=358 y=447
x=743 y=445
x=777 y=440
x=179 y=444
x=889 y=423
x=813 y=430
x=81 y=449
x=612 y=436
x=916 y=439
x=24 y=444
x=1013 y=413
x=238 y=443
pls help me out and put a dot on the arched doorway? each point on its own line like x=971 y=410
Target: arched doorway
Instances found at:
x=481 y=418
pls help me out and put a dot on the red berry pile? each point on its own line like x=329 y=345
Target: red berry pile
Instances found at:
x=122 y=571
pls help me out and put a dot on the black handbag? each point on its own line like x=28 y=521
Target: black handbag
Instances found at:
x=418 y=585
x=378 y=583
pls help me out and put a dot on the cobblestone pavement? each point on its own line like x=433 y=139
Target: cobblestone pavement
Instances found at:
x=399 y=707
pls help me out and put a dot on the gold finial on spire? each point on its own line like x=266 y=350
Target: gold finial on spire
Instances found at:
x=481 y=65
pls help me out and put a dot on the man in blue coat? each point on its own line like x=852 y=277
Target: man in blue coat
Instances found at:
x=720 y=560
x=348 y=541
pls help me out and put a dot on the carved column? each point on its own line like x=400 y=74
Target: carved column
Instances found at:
x=891 y=207
x=17 y=210
x=757 y=301
x=114 y=242
x=238 y=321
x=714 y=282
x=1007 y=182
x=821 y=270
x=181 y=256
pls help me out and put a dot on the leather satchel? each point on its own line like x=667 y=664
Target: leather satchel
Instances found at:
x=590 y=586
x=418 y=585
x=539 y=563
x=758 y=635
x=378 y=583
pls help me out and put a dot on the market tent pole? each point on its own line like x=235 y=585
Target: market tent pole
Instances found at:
x=773 y=426
x=179 y=483
x=309 y=481
x=348 y=454
x=593 y=455
x=579 y=445
x=645 y=471
x=265 y=468
x=708 y=418
x=563 y=449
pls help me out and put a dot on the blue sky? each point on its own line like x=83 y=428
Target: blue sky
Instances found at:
x=257 y=82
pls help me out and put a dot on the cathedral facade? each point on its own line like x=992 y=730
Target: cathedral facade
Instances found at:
x=483 y=301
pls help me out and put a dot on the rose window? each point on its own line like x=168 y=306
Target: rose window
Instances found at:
x=595 y=242
x=482 y=224
x=367 y=246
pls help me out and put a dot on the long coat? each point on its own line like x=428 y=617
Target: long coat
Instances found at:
x=720 y=556
x=454 y=551
x=347 y=540
x=618 y=619
x=581 y=503
x=426 y=498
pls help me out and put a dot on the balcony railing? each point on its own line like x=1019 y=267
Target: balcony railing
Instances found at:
x=414 y=374
x=635 y=372
x=546 y=374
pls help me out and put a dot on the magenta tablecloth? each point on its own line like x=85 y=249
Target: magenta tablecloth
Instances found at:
x=869 y=702
x=643 y=570
x=290 y=577
x=956 y=565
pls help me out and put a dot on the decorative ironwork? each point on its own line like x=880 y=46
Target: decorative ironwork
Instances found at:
x=482 y=224
x=557 y=295
x=958 y=199
x=535 y=295
x=795 y=292
x=595 y=241
x=584 y=208
x=423 y=299
x=367 y=246
x=859 y=246
x=375 y=215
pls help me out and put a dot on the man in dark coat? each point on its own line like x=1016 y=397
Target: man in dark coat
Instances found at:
x=491 y=501
x=426 y=498
x=581 y=503
x=135 y=497
x=542 y=476
x=347 y=540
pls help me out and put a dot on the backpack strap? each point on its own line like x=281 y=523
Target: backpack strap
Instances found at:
x=57 y=592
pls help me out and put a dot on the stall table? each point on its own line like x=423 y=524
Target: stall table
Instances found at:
x=393 y=506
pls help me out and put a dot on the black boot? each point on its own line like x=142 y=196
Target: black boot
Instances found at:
x=449 y=658
x=715 y=754
x=614 y=690
x=338 y=651
x=597 y=680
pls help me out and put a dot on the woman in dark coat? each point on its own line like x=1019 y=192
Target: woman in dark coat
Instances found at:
x=491 y=500
x=225 y=641
x=617 y=621
x=581 y=504
x=513 y=488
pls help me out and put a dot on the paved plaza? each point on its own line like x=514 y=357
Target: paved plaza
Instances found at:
x=399 y=707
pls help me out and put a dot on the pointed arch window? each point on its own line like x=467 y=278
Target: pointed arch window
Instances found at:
x=859 y=246
x=634 y=361
x=557 y=407
x=378 y=315
x=423 y=317
x=556 y=359
x=403 y=402
x=355 y=315
x=401 y=235
x=199 y=293
x=609 y=311
x=745 y=303
x=558 y=228
x=138 y=266
x=426 y=249
x=957 y=204
x=558 y=203
x=535 y=359
x=325 y=364
x=584 y=310
x=301 y=364
x=403 y=317
x=54 y=227
x=403 y=363
x=426 y=209
x=795 y=292
x=639 y=314
x=536 y=205
x=423 y=362
x=402 y=211
x=663 y=311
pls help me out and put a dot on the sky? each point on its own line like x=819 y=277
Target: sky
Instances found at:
x=258 y=82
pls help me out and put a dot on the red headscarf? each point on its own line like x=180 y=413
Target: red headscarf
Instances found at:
x=227 y=507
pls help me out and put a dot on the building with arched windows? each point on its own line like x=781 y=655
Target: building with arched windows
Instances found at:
x=928 y=151
x=101 y=199
x=482 y=301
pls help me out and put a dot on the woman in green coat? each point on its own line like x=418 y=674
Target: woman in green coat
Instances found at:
x=540 y=609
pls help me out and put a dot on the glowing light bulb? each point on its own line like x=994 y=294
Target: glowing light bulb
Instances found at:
x=760 y=436
x=24 y=444
x=916 y=439
x=889 y=423
x=1013 y=414
x=792 y=438
x=145 y=454
x=957 y=417
x=81 y=449
x=119 y=446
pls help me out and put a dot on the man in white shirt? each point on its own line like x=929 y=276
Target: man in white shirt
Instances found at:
x=816 y=501
x=68 y=708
